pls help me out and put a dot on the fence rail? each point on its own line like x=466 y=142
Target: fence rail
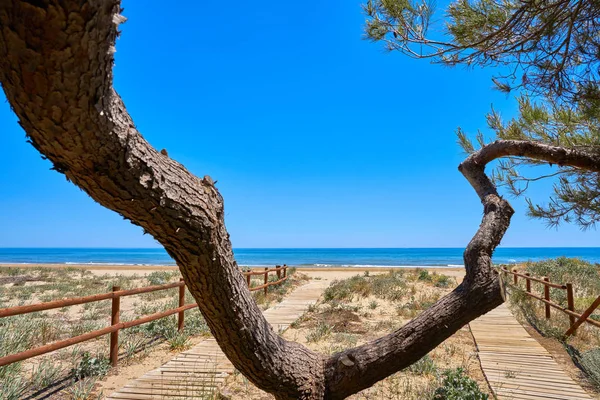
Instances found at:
x=115 y=325
x=575 y=318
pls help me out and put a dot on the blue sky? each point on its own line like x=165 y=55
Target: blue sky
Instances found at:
x=317 y=138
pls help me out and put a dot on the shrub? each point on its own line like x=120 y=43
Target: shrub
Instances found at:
x=90 y=366
x=425 y=366
x=390 y=286
x=161 y=277
x=590 y=363
x=458 y=386
x=442 y=281
x=81 y=390
x=45 y=374
x=179 y=342
x=424 y=275
x=319 y=332
x=582 y=274
x=12 y=389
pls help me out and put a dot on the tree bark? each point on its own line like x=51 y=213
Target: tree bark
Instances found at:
x=56 y=71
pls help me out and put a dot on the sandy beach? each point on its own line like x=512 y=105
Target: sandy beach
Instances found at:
x=323 y=273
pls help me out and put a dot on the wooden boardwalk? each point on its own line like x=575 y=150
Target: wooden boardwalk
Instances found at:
x=196 y=373
x=516 y=365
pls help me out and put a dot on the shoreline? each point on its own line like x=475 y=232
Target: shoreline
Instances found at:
x=315 y=272
x=164 y=267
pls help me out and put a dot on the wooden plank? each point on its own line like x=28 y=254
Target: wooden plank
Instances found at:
x=515 y=365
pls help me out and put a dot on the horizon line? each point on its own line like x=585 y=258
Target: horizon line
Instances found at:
x=300 y=248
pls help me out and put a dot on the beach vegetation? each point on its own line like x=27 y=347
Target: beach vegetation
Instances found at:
x=457 y=385
x=584 y=347
x=179 y=341
x=90 y=365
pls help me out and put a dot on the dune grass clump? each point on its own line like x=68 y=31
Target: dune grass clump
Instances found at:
x=90 y=365
x=425 y=366
x=319 y=332
x=389 y=286
x=590 y=363
x=457 y=385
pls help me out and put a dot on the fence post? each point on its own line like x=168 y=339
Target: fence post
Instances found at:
x=278 y=272
x=266 y=279
x=114 y=336
x=248 y=279
x=584 y=317
x=547 y=296
x=515 y=277
x=571 y=305
x=527 y=282
x=181 y=315
x=284 y=270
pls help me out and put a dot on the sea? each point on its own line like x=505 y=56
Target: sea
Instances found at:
x=301 y=257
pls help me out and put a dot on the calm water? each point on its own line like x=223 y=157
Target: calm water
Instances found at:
x=298 y=257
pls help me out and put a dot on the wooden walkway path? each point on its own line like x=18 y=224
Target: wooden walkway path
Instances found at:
x=516 y=365
x=196 y=373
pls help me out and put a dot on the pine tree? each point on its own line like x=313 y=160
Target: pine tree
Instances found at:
x=547 y=53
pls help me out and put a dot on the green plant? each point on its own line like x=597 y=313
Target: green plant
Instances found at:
x=178 y=341
x=458 y=386
x=442 y=281
x=319 y=332
x=81 y=390
x=90 y=366
x=12 y=388
x=161 y=277
x=425 y=366
x=424 y=275
x=373 y=305
x=45 y=374
x=590 y=363
x=132 y=344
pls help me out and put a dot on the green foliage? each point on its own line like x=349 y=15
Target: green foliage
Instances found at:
x=90 y=366
x=424 y=275
x=81 y=390
x=13 y=389
x=443 y=281
x=425 y=366
x=321 y=331
x=162 y=277
x=458 y=386
x=590 y=363
x=584 y=276
x=545 y=50
x=45 y=374
x=178 y=341
x=389 y=286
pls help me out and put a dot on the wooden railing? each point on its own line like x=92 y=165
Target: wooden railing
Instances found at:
x=115 y=324
x=575 y=319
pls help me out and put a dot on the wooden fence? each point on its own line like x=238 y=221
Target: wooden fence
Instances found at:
x=115 y=324
x=575 y=319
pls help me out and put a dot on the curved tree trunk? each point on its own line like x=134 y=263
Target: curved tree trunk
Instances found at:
x=56 y=70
